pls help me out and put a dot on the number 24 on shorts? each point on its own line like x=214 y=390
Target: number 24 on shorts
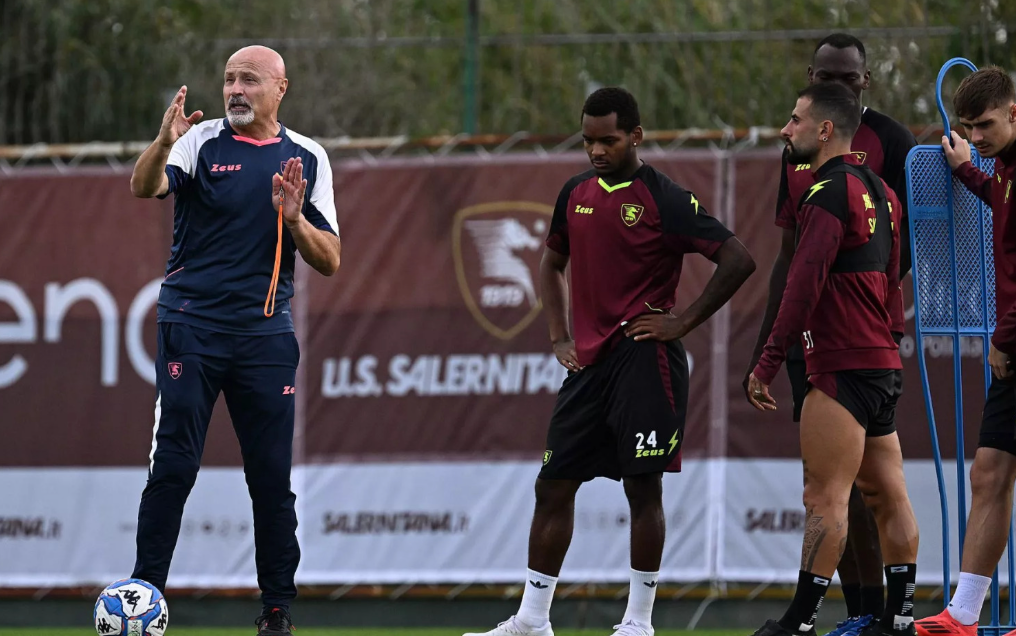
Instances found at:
x=642 y=451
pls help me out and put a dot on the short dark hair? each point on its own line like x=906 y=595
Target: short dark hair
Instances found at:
x=613 y=99
x=983 y=90
x=838 y=104
x=842 y=41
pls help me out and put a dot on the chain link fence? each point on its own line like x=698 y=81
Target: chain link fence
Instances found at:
x=74 y=71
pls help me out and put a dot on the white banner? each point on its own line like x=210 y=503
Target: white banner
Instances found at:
x=76 y=526
x=764 y=520
x=727 y=520
x=469 y=522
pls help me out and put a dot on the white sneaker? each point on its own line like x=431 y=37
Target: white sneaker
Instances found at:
x=514 y=627
x=631 y=628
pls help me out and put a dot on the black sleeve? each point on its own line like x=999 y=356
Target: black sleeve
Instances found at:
x=686 y=220
x=557 y=237
x=785 y=212
x=896 y=144
x=897 y=141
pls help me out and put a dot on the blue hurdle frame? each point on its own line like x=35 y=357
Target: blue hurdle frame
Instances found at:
x=955 y=331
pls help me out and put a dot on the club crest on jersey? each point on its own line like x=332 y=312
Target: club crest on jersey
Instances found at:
x=546 y=456
x=631 y=213
x=497 y=248
x=860 y=155
x=175 y=369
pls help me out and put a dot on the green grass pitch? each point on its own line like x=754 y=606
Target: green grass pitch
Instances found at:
x=309 y=631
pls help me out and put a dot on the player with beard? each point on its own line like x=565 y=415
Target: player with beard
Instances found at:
x=881 y=144
x=624 y=228
x=243 y=208
x=985 y=103
x=842 y=290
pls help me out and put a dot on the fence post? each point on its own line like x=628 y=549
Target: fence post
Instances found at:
x=472 y=54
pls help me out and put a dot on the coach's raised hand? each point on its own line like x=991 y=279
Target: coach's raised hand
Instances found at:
x=149 y=177
x=174 y=122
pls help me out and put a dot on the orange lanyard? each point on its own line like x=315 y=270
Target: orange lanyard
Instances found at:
x=274 y=286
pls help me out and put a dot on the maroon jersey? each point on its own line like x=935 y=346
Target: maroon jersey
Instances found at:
x=839 y=289
x=882 y=144
x=998 y=193
x=626 y=244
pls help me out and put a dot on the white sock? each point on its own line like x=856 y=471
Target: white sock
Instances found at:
x=535 y=609
x=965 y=605
x=641 y=597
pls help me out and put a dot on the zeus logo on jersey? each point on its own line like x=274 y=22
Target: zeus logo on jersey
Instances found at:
x=581 y=210
x=232 y=167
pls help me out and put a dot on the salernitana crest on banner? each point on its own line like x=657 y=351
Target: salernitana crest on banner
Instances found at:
x=497 y=248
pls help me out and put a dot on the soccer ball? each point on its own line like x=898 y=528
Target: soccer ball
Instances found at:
x=131 y=607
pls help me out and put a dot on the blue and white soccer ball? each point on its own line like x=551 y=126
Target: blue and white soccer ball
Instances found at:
x=131 y=607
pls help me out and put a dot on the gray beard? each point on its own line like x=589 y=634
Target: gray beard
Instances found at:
x=240 y=121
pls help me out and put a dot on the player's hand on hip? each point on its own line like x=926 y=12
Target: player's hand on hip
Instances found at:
x=291 y=187
x=956 y=153
x=999 y=363
x=758 y=394
x=656 y=326
x=566 y=355
x=174 y=122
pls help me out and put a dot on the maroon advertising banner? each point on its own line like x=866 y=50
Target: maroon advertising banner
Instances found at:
x=428 y=344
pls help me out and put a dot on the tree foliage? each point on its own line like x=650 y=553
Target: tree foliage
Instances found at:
x=83 y=70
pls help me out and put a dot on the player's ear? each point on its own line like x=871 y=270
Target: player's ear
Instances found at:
x=283 y=86
x=1012 y=113
x=636 y=136
x=811 y=75
x=826 y=130
x=867 y=79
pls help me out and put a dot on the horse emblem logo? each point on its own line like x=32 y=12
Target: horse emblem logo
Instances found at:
x=497 y=248
x=631 y=213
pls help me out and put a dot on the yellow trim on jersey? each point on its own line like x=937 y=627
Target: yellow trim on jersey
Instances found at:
x=611 y=188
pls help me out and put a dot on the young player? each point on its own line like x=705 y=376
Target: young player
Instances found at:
x=624 y=228
x=985 y=103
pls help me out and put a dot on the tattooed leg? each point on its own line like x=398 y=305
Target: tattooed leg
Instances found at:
x=832 y=445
